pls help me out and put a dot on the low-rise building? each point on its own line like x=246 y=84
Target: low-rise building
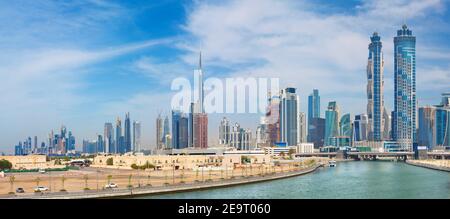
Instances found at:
x=27 y=162
x=165 y=162
x=303 y=148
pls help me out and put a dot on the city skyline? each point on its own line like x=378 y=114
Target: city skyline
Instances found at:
x=145 y=57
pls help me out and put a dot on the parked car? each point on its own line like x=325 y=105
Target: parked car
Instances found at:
x=20 y=190
x=40 y=189
x=41 y=170
x=110 y=186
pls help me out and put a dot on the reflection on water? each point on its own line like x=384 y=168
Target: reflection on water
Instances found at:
x=362 y=179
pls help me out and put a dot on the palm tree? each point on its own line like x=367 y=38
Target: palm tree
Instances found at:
x=11 y=182
x=63 y=179
x=86 y=177
x=129 y=181
x=148 y=180
x=108 y=178
x=37 y=181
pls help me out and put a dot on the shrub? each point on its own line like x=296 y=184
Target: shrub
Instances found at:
x=134 y=166
x=110 y=161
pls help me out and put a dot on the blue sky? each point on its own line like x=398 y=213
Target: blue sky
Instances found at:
x=83 y=63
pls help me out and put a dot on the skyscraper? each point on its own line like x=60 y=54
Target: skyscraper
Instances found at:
x=375 y=84
x=159 y=132
x=405 y=105
x=289 y=116
x=314 y=104
x=313 y=111
x=331 y=122
x=127 y=133
x=224 y=131
x=201 y=130
x=426 y=135
x=387 y=120
x=316 y=132
x=301 y=127
x=360 y=127
x=273 y=119
x=119 y=139
x=167 y=133
x=442 y=126
x=345 y=126
x=176 y=116
x=108 y=134
x=198 y=82
x=183 y=131
x=136 y=136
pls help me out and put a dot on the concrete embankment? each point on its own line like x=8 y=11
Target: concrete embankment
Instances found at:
x=145 y=191
x=429 y=166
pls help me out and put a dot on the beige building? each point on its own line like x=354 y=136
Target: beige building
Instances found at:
x=178 y=161
x=27 y=162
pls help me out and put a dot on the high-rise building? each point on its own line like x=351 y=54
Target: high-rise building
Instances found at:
x=314 y=104
x=316 y=132
x=176 y=116
x=127 y=133
x=119 y=138
x=35 y=144
x=331 y=122
x=108 y=134
x=198 y=84
x=159 y=133
x=183 y=132
x=345 y=126
x=166 y=133
x=405 y=103
x=289 y=116
x=301 y=128
x=313 y=110
x=136 y=136
x=387 y=120
x=224 y=131
x=273 y=119
x=442 y=126
x=200 y=130
x=180 y=130
x=360 y=127
x=100 y=144
x=191 y=125
x=375 y=84
x=262 y=139
x=426 y=135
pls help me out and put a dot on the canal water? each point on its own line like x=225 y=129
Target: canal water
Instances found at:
x=359 y=179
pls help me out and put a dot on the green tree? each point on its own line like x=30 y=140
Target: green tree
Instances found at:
x=5 y=165
x=110 y=161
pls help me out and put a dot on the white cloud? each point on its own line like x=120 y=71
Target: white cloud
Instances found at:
x=306 y=49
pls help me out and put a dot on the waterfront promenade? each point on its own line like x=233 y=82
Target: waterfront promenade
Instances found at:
x=171 y=188
x=443 y=165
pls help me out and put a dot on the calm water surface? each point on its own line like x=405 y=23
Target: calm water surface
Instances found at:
x=363 y=179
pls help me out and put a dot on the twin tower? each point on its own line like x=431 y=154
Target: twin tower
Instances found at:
x=402 y=128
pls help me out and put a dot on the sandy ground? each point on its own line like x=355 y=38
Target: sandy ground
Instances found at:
x=97 y=178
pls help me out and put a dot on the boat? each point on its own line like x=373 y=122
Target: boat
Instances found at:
x=332 y=163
